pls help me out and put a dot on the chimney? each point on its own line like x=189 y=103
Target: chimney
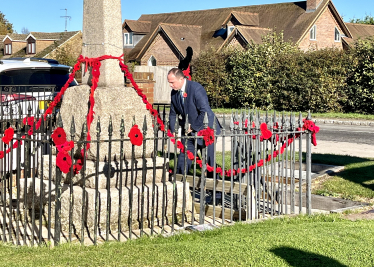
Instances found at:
x=312 y=5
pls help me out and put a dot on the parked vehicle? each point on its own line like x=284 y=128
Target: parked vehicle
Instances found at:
x=30 y=84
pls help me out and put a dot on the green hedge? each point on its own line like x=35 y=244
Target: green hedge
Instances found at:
x=277 y=75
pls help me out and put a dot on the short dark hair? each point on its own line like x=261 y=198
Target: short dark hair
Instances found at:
x=178 y=73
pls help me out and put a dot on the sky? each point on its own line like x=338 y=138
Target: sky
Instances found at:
x=49 y=15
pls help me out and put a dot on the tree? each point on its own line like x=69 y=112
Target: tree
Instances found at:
x=25 y=30
x=367 y=20
x=5 y=25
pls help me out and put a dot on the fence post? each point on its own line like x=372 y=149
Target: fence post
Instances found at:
x=204 y=155
x=308 y=170
x=58 y=189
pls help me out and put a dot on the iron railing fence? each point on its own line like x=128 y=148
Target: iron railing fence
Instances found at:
x=24 y=99
x=123 y=197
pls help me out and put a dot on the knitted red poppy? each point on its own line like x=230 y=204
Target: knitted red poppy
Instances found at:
x=190 y=155
x=1 y=154
x=31 y=130
x=136 y=137
x=63 y=161
x=154 y=112
x=208 y=135
x=180 y=146
x=266 y=134
x=59 y=136
x=8 y=135
x=28 y=120
x=66 y=147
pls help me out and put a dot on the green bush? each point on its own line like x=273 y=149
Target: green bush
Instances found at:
x=360 y=88
x=314 y=81
x=209 y=69
x=277 y=75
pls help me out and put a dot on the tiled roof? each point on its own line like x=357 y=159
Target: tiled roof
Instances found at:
x=47 y=35
x=291 y=18
x=183 y=36
x=62 y=38
x=360 y=30
x=253 y=34
x=16 y=37
x=138 y=26
x=245 y=18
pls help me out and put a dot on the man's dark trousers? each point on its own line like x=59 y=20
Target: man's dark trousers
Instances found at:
x=191 y=147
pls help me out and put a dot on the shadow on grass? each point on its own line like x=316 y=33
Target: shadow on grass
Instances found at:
x=296 y=257
x=357 y=170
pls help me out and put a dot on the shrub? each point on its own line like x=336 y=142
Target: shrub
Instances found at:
x=209 y=69
x=360 y=88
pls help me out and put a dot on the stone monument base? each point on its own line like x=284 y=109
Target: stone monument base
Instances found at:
x=123 y=215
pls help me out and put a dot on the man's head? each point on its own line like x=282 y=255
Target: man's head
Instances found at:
x=175 y=78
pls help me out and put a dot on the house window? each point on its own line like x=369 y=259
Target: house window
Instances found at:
x=337 y=35
x=127 y=38
x=313 y=32
x=152 y=61
x=230 y=29
x=8 y=49
x=31 y=48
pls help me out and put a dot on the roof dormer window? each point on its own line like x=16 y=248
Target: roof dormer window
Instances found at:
x=31 y=47
x=230 y=29
x=127 y=38
x=8 y=49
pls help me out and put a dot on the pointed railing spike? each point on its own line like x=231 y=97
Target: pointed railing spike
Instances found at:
x=186 y=125
x=110 y=127
x=309 y=117
x=59 y=120
x=98 y=126
x=72 y=126
x=145 y=125
x=122 y=127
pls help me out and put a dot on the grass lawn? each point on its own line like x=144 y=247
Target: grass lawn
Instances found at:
x=356 y=182
x=319 y=240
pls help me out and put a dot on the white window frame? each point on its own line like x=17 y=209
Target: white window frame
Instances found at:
x=127 y=38
x=152 y=60
x=337 y=34
x=8 y=49
x=31 y=48
x=230 y=29
x=313 y=33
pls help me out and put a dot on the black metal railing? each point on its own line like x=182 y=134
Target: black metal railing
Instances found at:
x=123 y=197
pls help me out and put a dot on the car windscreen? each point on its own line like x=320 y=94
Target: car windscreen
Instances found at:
x=51 y=76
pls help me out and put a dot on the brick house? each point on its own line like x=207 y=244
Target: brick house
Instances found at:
x=162 y=39
x=39 y=44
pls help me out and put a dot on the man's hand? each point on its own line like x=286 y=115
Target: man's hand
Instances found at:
x=189 y=128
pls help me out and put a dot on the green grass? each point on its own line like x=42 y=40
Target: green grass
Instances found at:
x=328 y=115
x=317 y=240
x=355 y=182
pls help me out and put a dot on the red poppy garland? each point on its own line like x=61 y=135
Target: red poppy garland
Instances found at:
x=64 y=161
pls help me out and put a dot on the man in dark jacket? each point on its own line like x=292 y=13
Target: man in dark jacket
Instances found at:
x=188 y=97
